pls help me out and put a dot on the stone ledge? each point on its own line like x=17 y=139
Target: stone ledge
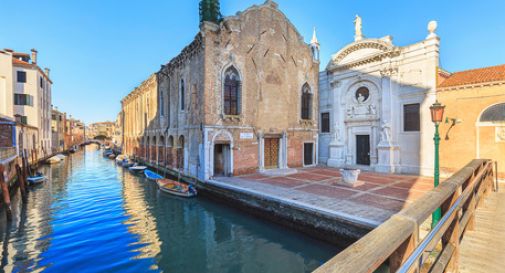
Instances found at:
x=323 y=224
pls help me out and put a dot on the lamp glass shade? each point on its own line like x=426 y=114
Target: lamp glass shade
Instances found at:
x=437 y=112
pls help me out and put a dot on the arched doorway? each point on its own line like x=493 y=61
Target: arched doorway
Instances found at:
x=146 y=148
x=170 y=152
x=161 y=151
x=491 y=135
x=222 y=144
x=154 y=148
x=180 y=152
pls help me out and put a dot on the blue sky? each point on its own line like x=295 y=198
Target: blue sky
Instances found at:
x=98 y=50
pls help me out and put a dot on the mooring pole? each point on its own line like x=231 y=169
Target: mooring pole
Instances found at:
x=5 y=193
x=22 y=182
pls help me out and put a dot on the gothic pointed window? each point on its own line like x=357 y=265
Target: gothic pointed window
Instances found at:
x=231 y=93
x=306 y=102
x=182 y=94
x=161 y=103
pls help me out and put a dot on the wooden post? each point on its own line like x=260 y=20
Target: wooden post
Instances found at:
x=403 y=252
x=5 y=193
x=22 y=182
x=451 y=235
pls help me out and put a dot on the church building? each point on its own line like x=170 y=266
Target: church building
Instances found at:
x=240 y=98
x=374 y=104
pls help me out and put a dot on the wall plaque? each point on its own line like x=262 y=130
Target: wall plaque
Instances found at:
x=246 y=136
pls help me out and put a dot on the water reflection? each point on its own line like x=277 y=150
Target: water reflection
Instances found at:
x=96 y=217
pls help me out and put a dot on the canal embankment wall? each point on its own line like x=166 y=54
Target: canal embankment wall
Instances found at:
x=341 y=230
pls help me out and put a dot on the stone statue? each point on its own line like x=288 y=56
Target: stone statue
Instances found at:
x=336 y=135
x=358 y=35
x=385 y=133
x=371 y=109
x=361 y=98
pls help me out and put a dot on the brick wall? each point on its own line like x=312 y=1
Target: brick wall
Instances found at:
x=5 y=135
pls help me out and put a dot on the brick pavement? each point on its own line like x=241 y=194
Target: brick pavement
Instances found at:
x=373 y=202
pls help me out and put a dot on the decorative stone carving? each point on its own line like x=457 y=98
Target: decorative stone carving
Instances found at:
x=361 y=103
x=389 y=71
x=371 y=109
x=362 y=94
x=306 y=122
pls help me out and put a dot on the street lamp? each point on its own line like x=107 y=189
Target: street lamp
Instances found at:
x=437 y=115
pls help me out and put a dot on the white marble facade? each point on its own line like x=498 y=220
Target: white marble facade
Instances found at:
x=365 y=89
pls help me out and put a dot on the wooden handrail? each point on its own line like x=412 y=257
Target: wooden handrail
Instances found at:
x=396 y=242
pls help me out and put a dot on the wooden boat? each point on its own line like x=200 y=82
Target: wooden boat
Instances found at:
x=137 y=168
x=127 y=163
x=53 y=160
x=152 y=175
x=120 y=159
x=36 y=179
x=176 y=188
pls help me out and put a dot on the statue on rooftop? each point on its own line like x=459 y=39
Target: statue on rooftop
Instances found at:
x=358 y=35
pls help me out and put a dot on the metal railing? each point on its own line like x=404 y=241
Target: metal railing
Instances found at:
x=396 y=242
x=7 y=152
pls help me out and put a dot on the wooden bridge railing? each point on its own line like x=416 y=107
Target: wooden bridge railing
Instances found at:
x=396 y=242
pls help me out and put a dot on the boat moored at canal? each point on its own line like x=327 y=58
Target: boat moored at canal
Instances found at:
x=176 y=188
x=36 y=179
x=152 y=175
x=92 y=207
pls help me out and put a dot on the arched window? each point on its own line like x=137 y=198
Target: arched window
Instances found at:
x=180 y=143
x=231 y=92
x=161 y=103
x=170 y=142
x=306 y=102
x=494 y=114
x=181 y=87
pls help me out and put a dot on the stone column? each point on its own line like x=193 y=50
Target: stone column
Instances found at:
x=261 y=151
x=388 y=150
x=336 y=157
x=284 y=151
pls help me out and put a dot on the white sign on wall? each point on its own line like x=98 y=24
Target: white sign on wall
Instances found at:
x=246 y=135
x=500 y=134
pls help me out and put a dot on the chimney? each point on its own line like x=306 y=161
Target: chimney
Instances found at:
x=34 y=56
x=47 y=70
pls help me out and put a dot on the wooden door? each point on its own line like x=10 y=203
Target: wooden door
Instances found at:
x=271 y=153
x=308 y=154
x=218 y=160
x=363 y=149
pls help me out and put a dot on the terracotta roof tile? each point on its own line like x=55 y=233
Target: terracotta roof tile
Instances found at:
x=17 y=61
x=479 y=75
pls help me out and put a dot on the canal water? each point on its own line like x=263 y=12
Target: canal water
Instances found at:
x=96 y=217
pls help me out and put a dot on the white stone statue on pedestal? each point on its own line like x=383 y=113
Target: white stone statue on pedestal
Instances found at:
x=385 y=133
x=358 y=35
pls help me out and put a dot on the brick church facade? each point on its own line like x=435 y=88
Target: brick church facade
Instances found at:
x=240 y=98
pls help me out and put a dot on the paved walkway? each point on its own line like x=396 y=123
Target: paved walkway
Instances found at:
x=483 y=249
x=318 y=188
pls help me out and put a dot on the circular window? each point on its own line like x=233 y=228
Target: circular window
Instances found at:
x=362 y=94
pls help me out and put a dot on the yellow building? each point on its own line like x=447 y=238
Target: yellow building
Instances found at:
x=139 y=111
x=475 y=117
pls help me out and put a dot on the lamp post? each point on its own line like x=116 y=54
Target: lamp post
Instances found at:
x=437 y=114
